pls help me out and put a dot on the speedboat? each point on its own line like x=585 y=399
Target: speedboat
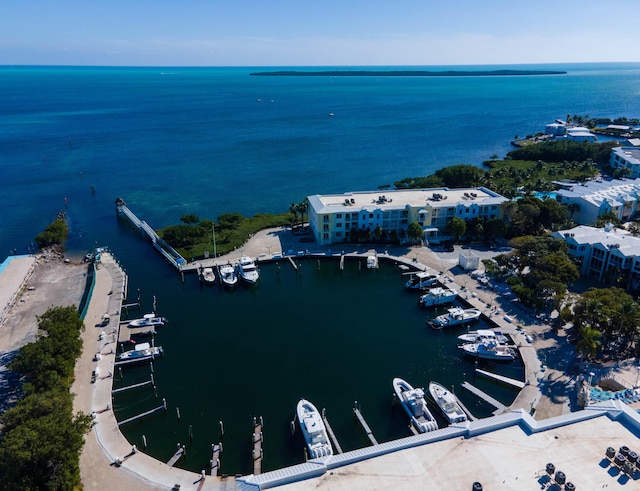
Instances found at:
x=313 y=429
x=148 y=320
x=455 y=316
x=247 y=270
x=484 y=336
x=372 y=262
x=141 y=352
x=415 y=405
x=228 y=275
x=489 y=351
x=437 y=296
x=208 y=276
x=421 y=279
x=447 y=402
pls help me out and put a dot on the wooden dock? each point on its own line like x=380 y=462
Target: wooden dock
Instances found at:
x=257 y=446
x=365 y=426
x=134 y=386
x=293 y=263
x=501 y=378
x=341 y=262
x=500 y=408
x=216 y=449
x=177 y=456
x=332 y=435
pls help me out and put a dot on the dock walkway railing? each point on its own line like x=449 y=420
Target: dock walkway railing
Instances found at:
x=165 y=249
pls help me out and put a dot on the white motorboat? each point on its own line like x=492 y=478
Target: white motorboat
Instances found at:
x=489 y=351
x=455 y=316
x=141 y=352
x=208 y=276
x=247 y=270
x=415 y=405
x=422 y=279
x=447 y=402
x=148 y=320
x=372 y=262
x=313 y=429
x=484 y=336
x=438 y=296
x=228 y=275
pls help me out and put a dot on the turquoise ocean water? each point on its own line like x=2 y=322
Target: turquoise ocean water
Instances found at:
x=208 y=141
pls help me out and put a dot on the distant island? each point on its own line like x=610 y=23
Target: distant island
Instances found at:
x=406 y=73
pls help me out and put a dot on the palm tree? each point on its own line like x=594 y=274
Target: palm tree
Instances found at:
x=589 y=341
x=294 y=209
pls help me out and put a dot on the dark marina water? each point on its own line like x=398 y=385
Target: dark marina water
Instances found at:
x=331 y=336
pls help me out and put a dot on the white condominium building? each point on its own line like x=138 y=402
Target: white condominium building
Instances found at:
x=333 y=217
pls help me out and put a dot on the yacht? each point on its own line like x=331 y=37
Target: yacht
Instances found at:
x=148 y=320
x=141 y=352
x=208 y=276
x=313 y=429
x=489 y=351
x=455 y=316
x=437 y=296
x=228 y=275
x=447 y=402
x=484 y=336
x=247 y=270
x=415 y=405
x=421 y=279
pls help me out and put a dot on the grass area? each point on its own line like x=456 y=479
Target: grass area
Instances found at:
x=231 y=231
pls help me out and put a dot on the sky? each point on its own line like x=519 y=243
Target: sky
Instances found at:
x=316 y=33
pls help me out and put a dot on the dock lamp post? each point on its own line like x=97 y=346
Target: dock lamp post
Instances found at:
x=591 y=374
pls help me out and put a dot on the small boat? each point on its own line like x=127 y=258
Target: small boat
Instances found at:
x=437 y=296
x=148 y=320
x=313 y=429
x=447 y=402
x=484 y=336
x=489 y=351
x=415 y=405
x=421 y=279
x=247 y=270
x=228 y=275
x=455 y=316
x=372 y=262
x=141 y=352
x=208 y=276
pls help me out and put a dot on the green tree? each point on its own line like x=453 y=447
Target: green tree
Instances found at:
x=456 y=227
x=414 y=232
x=54 y=234
x=189 y=219
x=589 y=341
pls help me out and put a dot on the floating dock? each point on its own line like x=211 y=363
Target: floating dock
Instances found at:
x=135 y=386
x=501 y=378
x=365 y=426
x=177 y=456
x=216 y=449
x=500 y=408
x=332 y=435
x=142 y=415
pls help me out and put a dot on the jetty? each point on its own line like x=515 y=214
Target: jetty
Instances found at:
x=177 y=456
x=501 y=378
x=365 y=426
x=500 y=408
x=257 y=446
x=147 y=413
x=161 y=246
x=332 y=435
x=134 y=386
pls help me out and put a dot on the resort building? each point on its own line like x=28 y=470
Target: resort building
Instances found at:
x=334 y=218
x=596 y=198
x=604 y=253
x=626 y=157
x=580 y=134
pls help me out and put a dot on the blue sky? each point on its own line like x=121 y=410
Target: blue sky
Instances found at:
x=320 y=32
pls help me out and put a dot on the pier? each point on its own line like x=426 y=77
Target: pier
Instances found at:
x=501 y=378
x=161 y=246
x=293 y=263
x=134 y=386
x=216 y=448
x=364 y=425
x=500 y=408
x=142 y=415
x=257 y=446
x=332 y=435
x=177 y=456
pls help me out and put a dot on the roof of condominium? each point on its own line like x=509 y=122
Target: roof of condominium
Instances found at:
x=616 y=191
x=401 y=198
x=631 y=154
x=609 y=238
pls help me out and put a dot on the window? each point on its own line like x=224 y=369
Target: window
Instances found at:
x=326 y=219
x=338 y=234
x=370 y=215
x=325 y=236
x=326 y=227
x=338 y=215
x=339 y=225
